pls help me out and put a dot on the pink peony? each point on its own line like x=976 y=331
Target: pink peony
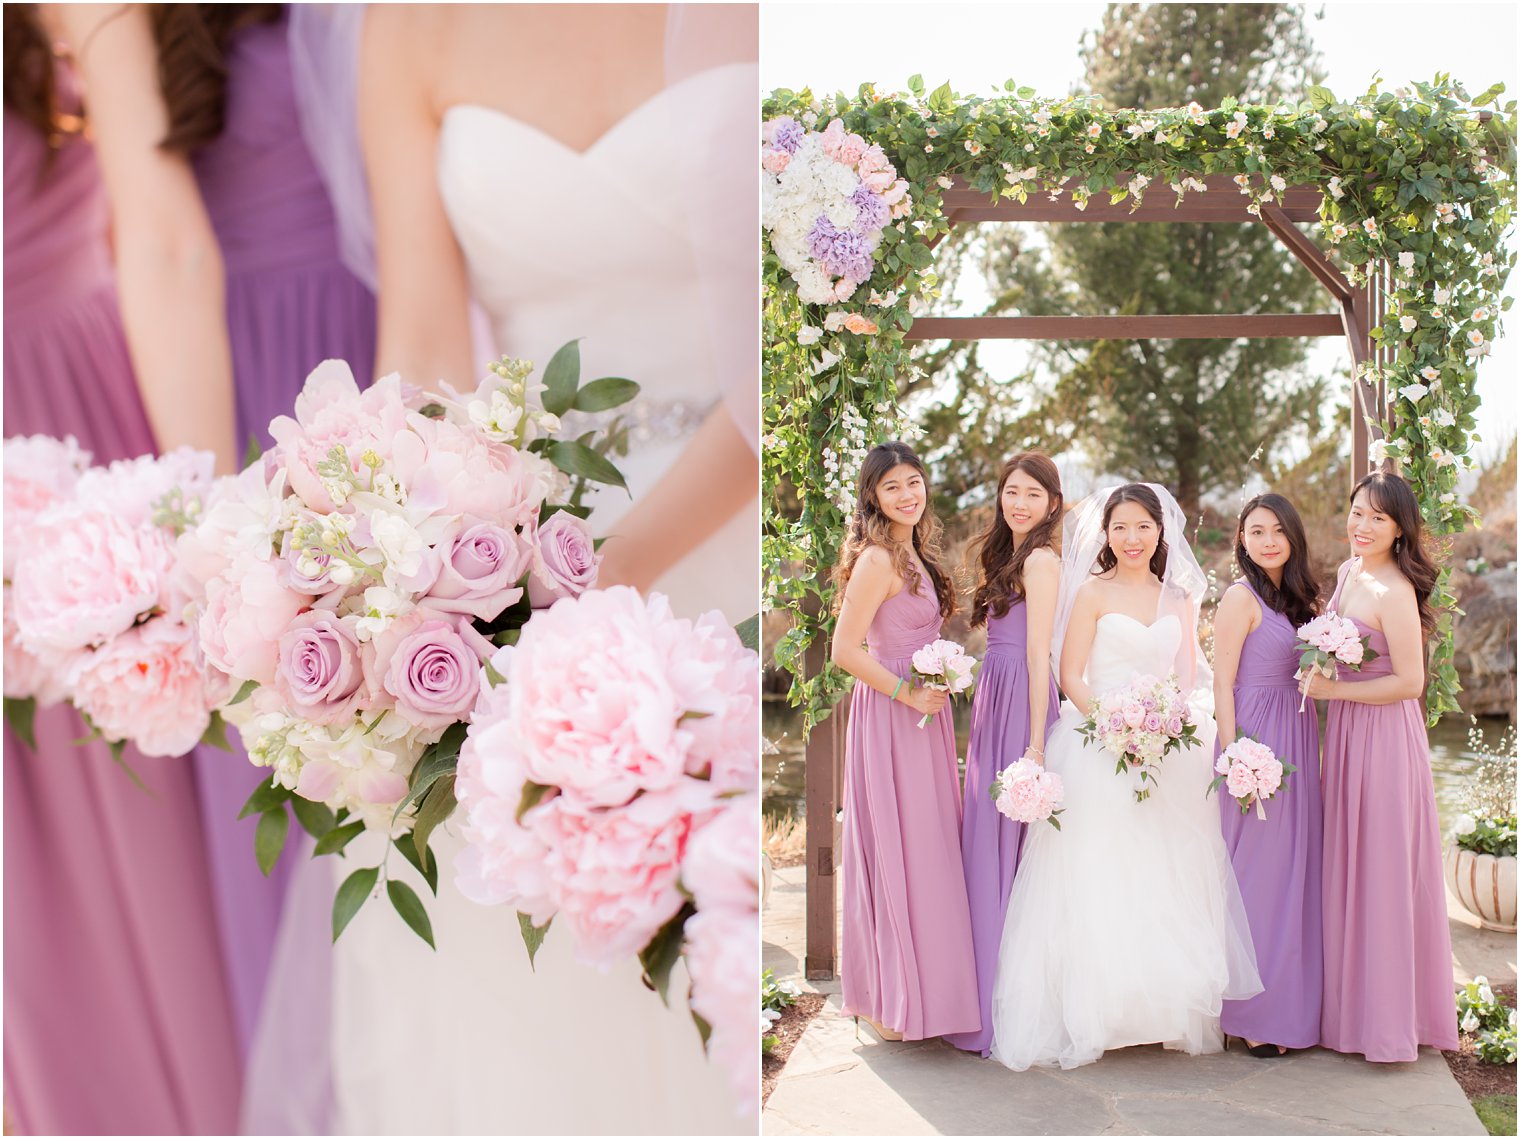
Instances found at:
x=319 y=673
x=775 y=161
x=1350 y=652
x=723 y=958
x=872 y=160
x=41 y=676
x=851 y=149
x=40 y=472
x=432 y=674
x=723 y=861
x=481 y=566
x=565 y=561
x=1240 y=781
x=449 y=468
x=1028 y=793
x=129 y=488
x=246 y=612
x=145 y=686
x=1133 y=713
x=714 y=674
x=832 y=137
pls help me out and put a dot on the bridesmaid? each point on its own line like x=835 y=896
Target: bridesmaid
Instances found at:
x=907 y=958
x=1016 y=699
x=117 y=1019
x=1387 y=945
x=1276 y=860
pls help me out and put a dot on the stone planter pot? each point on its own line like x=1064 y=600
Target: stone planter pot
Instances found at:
x=1485 y=885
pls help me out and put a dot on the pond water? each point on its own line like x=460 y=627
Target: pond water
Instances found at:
x=783 y=764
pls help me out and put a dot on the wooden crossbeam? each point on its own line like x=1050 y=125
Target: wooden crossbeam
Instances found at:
x=1201 y=326
x=1221 y=202
x=1312 y=257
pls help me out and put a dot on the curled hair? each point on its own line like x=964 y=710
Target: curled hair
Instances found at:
x=1298 y=597
x=870 y=527
x=1392 y=495
x=1001 y=579
x=192 y=41
x=1146 y=497
x=31 y=78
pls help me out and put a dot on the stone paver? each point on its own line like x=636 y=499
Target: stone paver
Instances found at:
x=844 y=1080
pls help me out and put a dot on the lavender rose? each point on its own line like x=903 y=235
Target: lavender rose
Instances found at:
x=565 y=561
x=433 y=675
x=482 y=565
x=319 y=670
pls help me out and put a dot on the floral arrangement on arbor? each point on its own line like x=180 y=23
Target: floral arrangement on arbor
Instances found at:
x=1419 y=180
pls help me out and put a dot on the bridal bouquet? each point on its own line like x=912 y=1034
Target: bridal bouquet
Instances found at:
x=607 y=780
x=93 y=613
x=350 y=583
x=1328 y=641
x=1140 y=724
x=1251 y=772
x=945 y=667
x=1027 y=793
x=825 y=199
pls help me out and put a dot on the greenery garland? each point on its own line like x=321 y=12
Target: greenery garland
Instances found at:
x=1415 y=179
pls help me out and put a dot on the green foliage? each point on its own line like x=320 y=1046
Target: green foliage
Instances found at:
x=1488 y=1020
x=21 y=714
x=532 y=935
x=775 y=997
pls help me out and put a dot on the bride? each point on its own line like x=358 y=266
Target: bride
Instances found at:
x=576 y=172
x=1125 y=926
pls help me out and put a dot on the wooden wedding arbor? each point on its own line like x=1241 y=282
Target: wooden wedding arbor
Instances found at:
x=1357 y=310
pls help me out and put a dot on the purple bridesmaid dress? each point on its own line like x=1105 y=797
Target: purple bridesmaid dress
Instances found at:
x=117 y=1018
x=990 y=841
x=1277 y=859
x=1388 y=980
x=906 y=956
x=290 y=305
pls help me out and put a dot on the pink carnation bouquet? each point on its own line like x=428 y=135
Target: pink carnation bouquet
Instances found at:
x=1327 y=642
x=1251 y=772
x=93 y=614
x=1140 y=723
x=351 y=581
x=1027 y=793
x=945 y=667
x=607 y=782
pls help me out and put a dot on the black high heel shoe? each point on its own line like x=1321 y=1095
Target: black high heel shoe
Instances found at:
x=1263 y=1051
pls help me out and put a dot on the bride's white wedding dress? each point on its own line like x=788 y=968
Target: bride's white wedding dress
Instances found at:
x=1125 y=926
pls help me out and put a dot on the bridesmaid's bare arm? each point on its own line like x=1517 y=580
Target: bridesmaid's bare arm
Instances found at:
x=168 y=264
x=870 y=584
x=1237 y=617
x=1042 y=577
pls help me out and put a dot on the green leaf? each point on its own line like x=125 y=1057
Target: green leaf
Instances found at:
x=411 y=909
x=704 y=1030
x=269 y=838
x=605 y=394
x=438 y=805
x=118 y=749
x=664 y=949
x=21 y=716
x=315 y=818
x=244 y=692
x=266 y=795
x=580 y=460
x=749 y=632
x=1320 y=98
x=253 y=453
x=493 y=678
x=215 y=734
x=351 y=896
x=440 y=759
x=916 y=84
x=337 y=838
x=561 y=378
x=532 y=935
x=424 y=861
x=1025 y=92
x=532 y=795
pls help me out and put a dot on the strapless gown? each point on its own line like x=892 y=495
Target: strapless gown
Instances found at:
x=1125 y=926
x=560 y=244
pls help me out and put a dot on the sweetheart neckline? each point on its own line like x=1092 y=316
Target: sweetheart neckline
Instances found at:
x=1136 y=620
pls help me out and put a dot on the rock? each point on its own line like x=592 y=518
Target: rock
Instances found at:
x=1485 y=644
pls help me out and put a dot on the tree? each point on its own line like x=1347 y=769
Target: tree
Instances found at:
x=1199 y=415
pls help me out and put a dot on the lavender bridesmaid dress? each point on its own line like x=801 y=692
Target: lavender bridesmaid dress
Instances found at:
x=1277 y=859
x=290 y=305
x=907 y=960
x=117 y=1019
x=990 y=841
x=1388 y=980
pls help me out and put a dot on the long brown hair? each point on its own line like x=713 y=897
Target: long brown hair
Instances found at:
x=1146 y=497
x=192 y=42
x=870 y=527
x=1298 y=598
x=1001 y=580
x=31 y=77
x=1392 y=495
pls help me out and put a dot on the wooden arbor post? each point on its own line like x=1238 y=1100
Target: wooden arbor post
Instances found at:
x=1357 y=312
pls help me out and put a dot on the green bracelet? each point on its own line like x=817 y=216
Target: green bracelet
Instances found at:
x=896 y=690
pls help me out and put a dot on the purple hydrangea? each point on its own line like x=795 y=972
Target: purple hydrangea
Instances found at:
x=873 y=211
x=842 y=253
x=789 y=133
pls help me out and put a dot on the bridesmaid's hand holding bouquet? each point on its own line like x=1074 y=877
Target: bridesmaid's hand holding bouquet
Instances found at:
x=1325 y=643
x=1251 y=772
x=942 y=666
x=1027 y=793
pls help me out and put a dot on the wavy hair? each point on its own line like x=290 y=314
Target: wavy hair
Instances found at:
x=1392 y=495
x=31 y=77
x=192 y=41
x=1298 y=599
x=870 y=527
x=1146 y=497
x=1000 y=581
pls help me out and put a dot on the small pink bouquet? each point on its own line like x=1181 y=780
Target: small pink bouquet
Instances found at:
x=94 y=614
x=1327 y=642
x=1251 y=772
x=607 y=782
x=1027 y=793
x=945 y=667
x=1140 y=724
